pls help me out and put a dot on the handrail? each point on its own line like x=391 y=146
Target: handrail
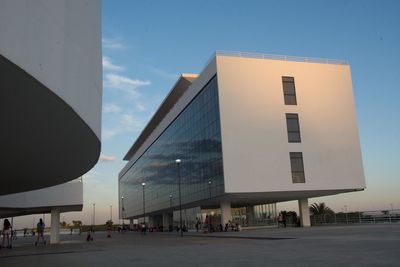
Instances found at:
x=277 y=57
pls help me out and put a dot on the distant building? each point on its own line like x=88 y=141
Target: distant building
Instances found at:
x=50 y=104
x=250 y=130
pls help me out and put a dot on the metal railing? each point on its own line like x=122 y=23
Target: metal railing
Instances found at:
x=359 y=217
x=277 y=57
x=254 y=222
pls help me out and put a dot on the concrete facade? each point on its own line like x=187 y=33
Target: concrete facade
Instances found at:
x=250 y=92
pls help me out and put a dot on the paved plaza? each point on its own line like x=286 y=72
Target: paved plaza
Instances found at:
x=363 y=245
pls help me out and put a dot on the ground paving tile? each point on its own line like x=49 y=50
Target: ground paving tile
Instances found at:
x=361 y=245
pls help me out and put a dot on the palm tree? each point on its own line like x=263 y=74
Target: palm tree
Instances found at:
x=320 y=209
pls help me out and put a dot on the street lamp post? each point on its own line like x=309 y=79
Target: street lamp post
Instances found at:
x=209 y=186
x=94 y=217
x=170 y=200
x=178 y=163
x=110 y=213
x=144 y=209
x=122 y=209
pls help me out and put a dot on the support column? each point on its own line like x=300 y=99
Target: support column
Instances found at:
x=55 y=226
x=150 y=221
x=171 y=220
x=250 y=215
x=165 y=221
x=131 y=224
x=304 y=211
x=226 y=212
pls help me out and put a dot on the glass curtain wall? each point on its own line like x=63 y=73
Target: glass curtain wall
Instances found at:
x=264 y=214
x=195 y=138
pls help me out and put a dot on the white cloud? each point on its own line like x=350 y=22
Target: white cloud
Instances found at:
x=108 y=65
x=164 y=74
x=127 y=123
x=118 y=81
x=124 y=83
x=109 y=133
x=112 y=44
x=111 y=108
x=140 y=106
x=130 y=123
x=106 y=158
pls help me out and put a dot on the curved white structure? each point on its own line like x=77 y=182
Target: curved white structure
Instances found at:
x=51 y=91
x=64 y=197
x=55 y=200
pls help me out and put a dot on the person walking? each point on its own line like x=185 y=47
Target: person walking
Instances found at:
x=40 y=230
x=206 y=225
x=284 y=220
x=6 y=233
x=198 y=224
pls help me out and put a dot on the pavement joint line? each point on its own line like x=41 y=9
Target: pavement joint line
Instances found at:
x=46 y=253
x=243 y=237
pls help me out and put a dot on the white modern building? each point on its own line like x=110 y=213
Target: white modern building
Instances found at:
x=250 y=130
x=50 y=104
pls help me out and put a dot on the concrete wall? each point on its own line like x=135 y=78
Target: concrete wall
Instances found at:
x=58 y=43
x=254 y=133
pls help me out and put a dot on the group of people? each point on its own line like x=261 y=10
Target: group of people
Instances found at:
x=9 y=234
x=281 y=220
x=207 y=226
x=232 y=227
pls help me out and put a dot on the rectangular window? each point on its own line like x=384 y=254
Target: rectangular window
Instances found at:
x=296 y=163
x=293 y=128
x=289 y=90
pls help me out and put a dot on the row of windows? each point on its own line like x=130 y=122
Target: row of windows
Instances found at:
x=293 y=130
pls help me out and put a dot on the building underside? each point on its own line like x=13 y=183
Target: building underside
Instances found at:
x=43 y=140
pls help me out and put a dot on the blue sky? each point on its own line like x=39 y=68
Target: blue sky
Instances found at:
x=147 y=44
